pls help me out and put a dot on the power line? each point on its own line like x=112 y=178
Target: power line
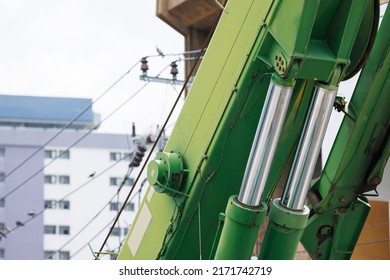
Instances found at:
x=70 y=193
x=99 y=232
x=87 y=108
x=82 y=137
x=90 y=221
x=93 y=238
x=70 y=123
x=72 y=145
x=175 y=54
x=89 y=224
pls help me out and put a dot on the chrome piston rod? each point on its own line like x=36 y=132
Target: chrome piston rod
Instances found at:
x=264 y=144
x=299 y=180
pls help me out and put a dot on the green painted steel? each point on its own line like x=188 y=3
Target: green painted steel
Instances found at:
x=213 y=134
x=302 y=40
x=241 y=223
x=356 y=162
x=283 y=233
x=165 y=173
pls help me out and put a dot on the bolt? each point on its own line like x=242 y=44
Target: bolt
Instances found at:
x=342 y=199
x=376 y=180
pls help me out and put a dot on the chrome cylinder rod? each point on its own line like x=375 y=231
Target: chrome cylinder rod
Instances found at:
x=299 y=180
x=264 y=144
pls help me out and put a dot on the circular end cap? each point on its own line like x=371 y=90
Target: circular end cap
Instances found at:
x=156 y=171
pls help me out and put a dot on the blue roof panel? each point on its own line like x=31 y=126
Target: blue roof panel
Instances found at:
x=57 y=109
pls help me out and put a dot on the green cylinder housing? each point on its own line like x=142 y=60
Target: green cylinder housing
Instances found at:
x=165 y=173
x=283 y=233
x=239 y=231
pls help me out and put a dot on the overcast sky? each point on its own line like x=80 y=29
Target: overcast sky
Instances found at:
x=78 y=48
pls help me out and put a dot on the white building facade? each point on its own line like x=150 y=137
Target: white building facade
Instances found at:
x=62 y=189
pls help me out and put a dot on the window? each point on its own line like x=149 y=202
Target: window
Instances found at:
x=128 y=156
x=2 y=152
x=2 y=175
x=125 y=231
x=129 y=206
x=50 y=153
x=64 y=154
x=115 y=156
x=50 y=255
x=114 y=206
x=64 y=179
x=50 y=179
x=115 y=181
x=2 y=253
x=54 y=255
x=50 y=230
x=129 y=181
x=50 y=204
x=64 y=255
x=64 y=230
x=116 y=231
x=64 y=204
x=2 y=227
x=2 y=202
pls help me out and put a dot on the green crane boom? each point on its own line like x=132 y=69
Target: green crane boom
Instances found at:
x=254 y=121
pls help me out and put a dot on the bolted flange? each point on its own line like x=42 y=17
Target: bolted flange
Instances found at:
x=165 y=173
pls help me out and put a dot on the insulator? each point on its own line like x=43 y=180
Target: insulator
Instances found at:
x=138 y=156
x=174 y=70
x=144 y=66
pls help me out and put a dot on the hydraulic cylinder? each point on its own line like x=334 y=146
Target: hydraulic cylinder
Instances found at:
x=288 y=216
x=309 y=147
x=264 y=143
x=239 y=231
x=283 y=233
x=245 y=213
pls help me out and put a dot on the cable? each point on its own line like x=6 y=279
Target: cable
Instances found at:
x=97 y=214
x=175 y=54
x=82 y=229
x=93 y=238
x=81 y=138
x=70 y=193
x=70 y=123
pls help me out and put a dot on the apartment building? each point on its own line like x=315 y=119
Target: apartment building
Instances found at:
x=61 y=189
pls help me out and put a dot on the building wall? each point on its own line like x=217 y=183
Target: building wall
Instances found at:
x=18 y=205
x=89 y=217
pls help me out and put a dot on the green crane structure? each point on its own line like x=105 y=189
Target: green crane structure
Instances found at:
x=255 y=119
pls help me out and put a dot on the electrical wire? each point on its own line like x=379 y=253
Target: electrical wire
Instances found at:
x=82 y=137
x=71 y=122
x=77 y=251
x=69 y=194
x=92 y=239
x=82 y=229
x=96 y=215
x=175 y=54
x=85 y=110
